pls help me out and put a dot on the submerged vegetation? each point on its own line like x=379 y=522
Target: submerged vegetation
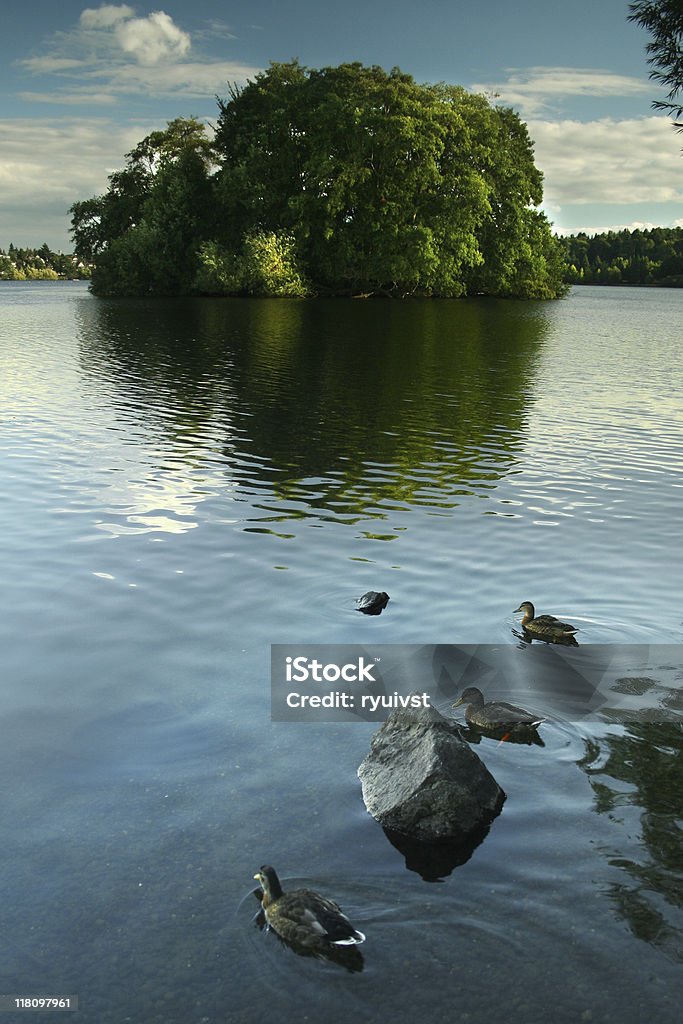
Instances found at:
x=340 y=181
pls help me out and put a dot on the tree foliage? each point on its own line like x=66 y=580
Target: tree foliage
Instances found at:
x=344 y=180
x=142 y=234
x=386 y=185
x=664 y=20
x=654 y=256
x=266 y=265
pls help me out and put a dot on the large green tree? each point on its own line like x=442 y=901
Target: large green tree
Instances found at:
x=344 y=180
x=386 y=185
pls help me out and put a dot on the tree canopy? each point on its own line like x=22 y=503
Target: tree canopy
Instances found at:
x=664 y=20
x=344 y=180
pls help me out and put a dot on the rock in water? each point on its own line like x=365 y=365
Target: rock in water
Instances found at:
x=373 y=603
x=423 y=780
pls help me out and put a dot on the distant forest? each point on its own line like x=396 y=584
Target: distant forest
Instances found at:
x=40 y=265
x=652 y=257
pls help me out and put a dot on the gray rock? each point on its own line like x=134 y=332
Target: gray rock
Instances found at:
x=423 y=780
x=373 y=603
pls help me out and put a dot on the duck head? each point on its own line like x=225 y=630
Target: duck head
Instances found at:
x=470 y=696
x=269 y=882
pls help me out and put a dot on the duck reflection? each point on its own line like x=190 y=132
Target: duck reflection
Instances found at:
x=498 y=719
x=526 y=639
x=473 y=735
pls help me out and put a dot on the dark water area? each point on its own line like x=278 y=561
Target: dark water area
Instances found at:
x=186 y=483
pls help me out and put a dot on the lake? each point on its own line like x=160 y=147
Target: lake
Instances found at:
x=186 y=483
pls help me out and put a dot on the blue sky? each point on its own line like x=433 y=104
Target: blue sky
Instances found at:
x=81 y=83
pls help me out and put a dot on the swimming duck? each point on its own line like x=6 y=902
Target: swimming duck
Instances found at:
x=497 y=714
x=546 y=627
x=303 y=917
x=373 y=603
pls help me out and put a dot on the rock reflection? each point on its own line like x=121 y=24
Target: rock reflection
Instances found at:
x=642 y=768
x=435 y=861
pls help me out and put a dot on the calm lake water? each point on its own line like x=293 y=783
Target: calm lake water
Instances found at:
x=186 y=483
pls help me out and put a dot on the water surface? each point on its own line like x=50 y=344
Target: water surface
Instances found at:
x=187 y=482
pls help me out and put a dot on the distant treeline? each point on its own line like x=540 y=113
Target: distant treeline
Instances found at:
x=653 y=257
x=40 y=265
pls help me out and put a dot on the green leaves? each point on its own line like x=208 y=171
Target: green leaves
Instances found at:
x=143 y=233
x=356 y=180
x=652 y=256
x=664 y=21
x=387 y=186
x=266 y=265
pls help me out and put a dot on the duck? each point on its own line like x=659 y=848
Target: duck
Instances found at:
x=546 y=627
x=373 y=603
x=497 y=714
x=304 y=917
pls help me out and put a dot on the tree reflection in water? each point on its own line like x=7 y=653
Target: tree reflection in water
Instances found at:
x=642 y=768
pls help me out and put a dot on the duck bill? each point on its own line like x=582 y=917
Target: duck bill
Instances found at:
x=458 y=703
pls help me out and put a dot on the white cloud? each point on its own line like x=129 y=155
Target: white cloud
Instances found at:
x=608 y=161
x=106 y=16
x=216 y=29
x=72 y=99
x=72 y=160
x=538 y=89
x=46 y=164
x=50 y=64
x=602 y=229
x=152 y=39
x=148 y=40
x=187 y=78
x=119 y=53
